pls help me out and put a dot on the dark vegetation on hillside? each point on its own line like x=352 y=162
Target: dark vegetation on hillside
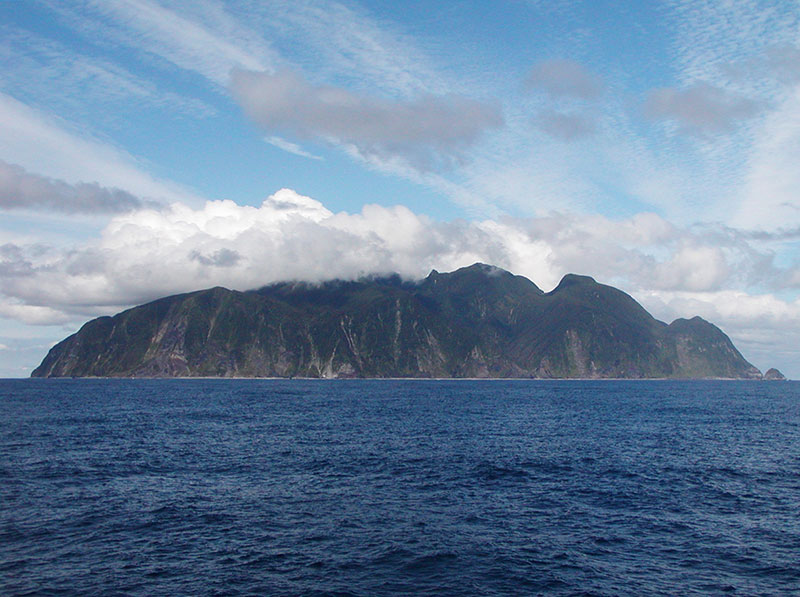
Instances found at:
x=479 y=321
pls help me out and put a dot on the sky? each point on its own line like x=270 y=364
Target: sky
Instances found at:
x=150 y=147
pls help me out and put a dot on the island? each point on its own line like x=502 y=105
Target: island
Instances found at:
x=476 y=322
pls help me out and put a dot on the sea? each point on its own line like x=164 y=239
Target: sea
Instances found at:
x=384 y=487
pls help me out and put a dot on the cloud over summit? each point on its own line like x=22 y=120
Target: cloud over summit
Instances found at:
x=149 y=253
x=145 y=254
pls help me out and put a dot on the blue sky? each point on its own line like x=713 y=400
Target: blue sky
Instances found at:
x=151 y=147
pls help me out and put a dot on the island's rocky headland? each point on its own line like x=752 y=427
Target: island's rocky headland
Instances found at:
x=479 y=321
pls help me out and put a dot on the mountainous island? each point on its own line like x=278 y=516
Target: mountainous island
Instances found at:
x=479 y=321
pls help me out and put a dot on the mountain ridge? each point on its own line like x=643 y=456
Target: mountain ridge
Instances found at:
x=478 y=321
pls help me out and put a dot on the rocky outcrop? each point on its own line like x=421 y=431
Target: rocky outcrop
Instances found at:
x=478 y=321
x=774 y=375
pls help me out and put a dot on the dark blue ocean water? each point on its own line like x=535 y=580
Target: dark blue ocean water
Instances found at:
x=148 y=487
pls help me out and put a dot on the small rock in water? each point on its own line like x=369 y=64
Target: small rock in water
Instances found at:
x=774 y=375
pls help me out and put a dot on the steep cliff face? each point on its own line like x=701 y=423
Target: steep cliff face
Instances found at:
x=479 y=321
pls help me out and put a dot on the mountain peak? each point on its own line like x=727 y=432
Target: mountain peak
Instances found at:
x=696 y=323
x=481 y=268
x=571 y=280
x=480 y=279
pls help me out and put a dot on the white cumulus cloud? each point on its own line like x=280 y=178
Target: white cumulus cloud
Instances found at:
x=149 y=253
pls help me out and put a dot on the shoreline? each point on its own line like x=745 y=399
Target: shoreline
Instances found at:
x=335 y=379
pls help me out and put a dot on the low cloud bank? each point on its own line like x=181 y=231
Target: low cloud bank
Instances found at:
x=150 y=253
